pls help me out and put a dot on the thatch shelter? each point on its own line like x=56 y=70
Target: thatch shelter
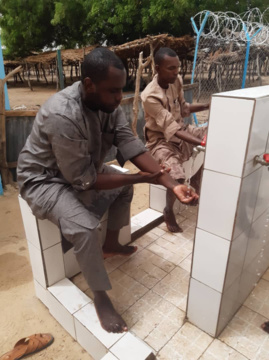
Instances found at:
x=44 y=65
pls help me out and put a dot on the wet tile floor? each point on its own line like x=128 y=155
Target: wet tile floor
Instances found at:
x=149 y=290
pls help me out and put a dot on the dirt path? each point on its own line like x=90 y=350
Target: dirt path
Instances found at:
x=22 y=314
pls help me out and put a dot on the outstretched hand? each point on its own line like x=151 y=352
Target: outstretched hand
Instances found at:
x=185 y=194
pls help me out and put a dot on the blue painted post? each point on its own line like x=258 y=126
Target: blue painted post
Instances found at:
x=1 y=187
x=60 y=69
x=249 y=38
x=198 y=33
x=2 y=75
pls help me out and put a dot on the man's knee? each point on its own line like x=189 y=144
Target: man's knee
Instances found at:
x=80 y=236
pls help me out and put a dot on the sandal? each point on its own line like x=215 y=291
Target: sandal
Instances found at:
x=29 y=345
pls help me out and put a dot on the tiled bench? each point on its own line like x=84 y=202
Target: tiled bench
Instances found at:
x=70 y=306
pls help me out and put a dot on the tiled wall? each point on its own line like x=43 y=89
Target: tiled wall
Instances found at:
x=231 y=250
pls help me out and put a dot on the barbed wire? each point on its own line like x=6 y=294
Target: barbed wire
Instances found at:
x=229 y=26
x=232 y=51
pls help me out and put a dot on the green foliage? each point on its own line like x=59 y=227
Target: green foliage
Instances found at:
x=25 y=25
x=30 y=25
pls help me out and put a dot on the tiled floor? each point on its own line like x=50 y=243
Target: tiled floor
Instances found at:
x=150 y=291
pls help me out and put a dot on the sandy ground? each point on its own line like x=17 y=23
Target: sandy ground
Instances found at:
x=22 y=314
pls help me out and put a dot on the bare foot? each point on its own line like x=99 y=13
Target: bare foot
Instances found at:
x=170 y=221
x=125 y=250
x=265 y=326
x=110 y=320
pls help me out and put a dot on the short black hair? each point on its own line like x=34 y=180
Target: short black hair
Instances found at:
x=161 y=53
x=97 y=63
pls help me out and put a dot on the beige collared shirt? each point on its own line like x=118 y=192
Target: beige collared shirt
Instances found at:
x=162 y=109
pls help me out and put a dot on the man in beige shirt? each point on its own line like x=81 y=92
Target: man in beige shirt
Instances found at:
x=169 y=140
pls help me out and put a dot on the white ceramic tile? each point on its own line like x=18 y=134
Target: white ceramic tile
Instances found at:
x=109 y=356
x=236 y=258
x=218 y=203
x=89 y=342
x=88 y=318
x=262 y=203
x=267 y=145
x=210 y=253
x=131 y=348
x=203 y=306
x=29 y=223
x=125 y=235
x=42 y=293
x=54 y=264
x=62 y=315
x=37 y=264
x=225 y=152
x=247 y=201
x=259 y=130
x=157 y=198
x=49 y=233
x=134 y=227
x=252 y=272
x=158 y=186
x=69 y=295
x=146 y=217
x=230 y=303
x=71 y=265
x=258 y=238
x=249 y=167
x=248 y=282
x=189 y=166
x=248 y=93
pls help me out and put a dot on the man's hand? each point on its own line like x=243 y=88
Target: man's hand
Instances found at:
x=165 y=167
x=185 y=194
x=185 y=109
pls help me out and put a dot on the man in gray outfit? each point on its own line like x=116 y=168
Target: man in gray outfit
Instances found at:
x=62 y=177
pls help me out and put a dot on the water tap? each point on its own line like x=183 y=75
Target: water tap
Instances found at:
x=264 y=160
x=200 y=147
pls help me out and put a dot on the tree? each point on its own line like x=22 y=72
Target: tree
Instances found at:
x=26 y=25
x=30 y=25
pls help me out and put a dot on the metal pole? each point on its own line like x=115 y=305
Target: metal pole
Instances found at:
x=2 y=75
x=249 y=38
x=198 y=33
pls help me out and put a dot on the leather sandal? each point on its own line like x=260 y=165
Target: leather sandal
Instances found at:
x=29 y=345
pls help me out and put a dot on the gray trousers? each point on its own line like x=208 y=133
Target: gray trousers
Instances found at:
x=78 y=215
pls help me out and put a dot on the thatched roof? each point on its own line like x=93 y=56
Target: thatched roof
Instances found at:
x=183 y=46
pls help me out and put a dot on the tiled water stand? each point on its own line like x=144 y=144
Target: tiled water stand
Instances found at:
x=231 y=250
